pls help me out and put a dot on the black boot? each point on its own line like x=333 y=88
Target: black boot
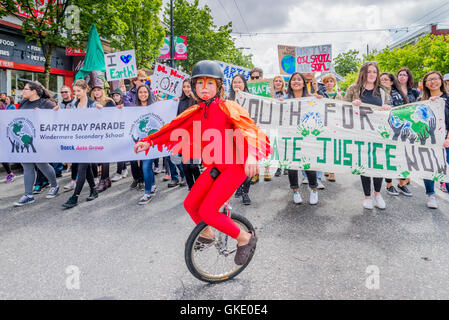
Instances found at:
x=278 y=172
x=245 y=198
x=72 y=202
x=93 y=195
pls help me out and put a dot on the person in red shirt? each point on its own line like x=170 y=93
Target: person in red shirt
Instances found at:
x=236 y=144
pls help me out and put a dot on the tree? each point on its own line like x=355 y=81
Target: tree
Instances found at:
x=142 y=30
x=430 y=53
x=50 y=23
x=205 y=41
x=347 y=62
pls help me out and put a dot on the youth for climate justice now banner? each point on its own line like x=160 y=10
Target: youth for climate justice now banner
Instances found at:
x=335 y=136
x=81 y=135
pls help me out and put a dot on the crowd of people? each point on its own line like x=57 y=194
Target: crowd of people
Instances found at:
x=385 y=90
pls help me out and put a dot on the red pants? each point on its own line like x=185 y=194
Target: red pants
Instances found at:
x=207 y=196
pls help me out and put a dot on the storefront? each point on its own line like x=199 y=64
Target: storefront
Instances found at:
x=22 y=61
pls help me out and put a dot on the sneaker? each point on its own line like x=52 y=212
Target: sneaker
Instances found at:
x=432 y=202
x=153 y=189
x=305 y=181
x=141 y=186
x=102 y=185
x=134 y=184
x=70 y=186
x=255 y=179
x=183 y=182
x=157 y=170
x=145 y=199
x=443 y=187
x=172 y=184
x=368 y=204
x=392 y=191
x=313 y=197
x=166 y=178
x=97 y=180
x=380 y=203
x=93 y=195
x=116 y=177
x=72 y=202
x=404 y=190
x=267 y=176
x=297 y=197
x=10 y=177
x=24 y=200
x=278 y=172
x=37 y=189
x=125 y=173
x=44 y=185
x=320 y=185
x=53 y=192
x=245 y=198
x=285 y=172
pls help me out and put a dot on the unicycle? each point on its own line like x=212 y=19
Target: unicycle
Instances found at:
x=214 y=262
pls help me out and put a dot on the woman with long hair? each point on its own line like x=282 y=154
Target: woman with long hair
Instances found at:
x=433 y=89
x=36 y=97
x=368 y=90
x=297 y=89
x=406 y=83
x=84 y=170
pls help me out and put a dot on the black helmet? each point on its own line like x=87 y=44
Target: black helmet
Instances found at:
x=207 y=68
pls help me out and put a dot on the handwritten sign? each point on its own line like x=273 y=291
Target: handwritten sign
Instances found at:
x=314 y=59
x=167 y=80
x=120 y=65
x=287 y=61
x=261 y=88
x=230 y=71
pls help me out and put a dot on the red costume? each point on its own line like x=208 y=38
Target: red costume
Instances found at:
x=207 y=195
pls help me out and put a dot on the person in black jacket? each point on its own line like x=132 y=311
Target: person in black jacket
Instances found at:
x=191 y=169
x=406 y=82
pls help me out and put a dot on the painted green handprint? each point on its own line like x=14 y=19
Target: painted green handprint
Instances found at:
x=285 y=164
x=405 y=174
x=358 y=170
x=438 y=177
x=383 y=131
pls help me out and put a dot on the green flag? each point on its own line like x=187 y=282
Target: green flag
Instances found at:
x=94 y=60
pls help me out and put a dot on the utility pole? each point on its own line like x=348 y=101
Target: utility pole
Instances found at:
x=172 y=49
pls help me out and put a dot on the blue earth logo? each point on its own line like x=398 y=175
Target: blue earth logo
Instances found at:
x=288 y=64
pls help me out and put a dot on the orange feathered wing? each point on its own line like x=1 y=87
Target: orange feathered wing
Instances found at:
x=258 y=143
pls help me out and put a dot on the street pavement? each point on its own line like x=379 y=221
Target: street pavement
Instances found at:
x=121 y=250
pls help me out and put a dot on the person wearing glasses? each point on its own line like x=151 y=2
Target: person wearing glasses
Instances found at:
x=256 y=74
x=130 y=98
x=434 y=89
x=66 y=93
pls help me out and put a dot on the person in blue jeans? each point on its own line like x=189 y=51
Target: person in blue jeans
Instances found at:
x=433 y=89
x=149 y=181
x=174 y=173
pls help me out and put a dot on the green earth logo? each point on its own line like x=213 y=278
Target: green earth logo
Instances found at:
x=288 y=64
x=21 y=133
x=145 y=125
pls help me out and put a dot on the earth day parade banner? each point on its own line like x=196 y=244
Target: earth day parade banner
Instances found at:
x=335 y=136
x=81 y=135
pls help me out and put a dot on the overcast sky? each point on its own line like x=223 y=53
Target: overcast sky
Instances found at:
x=321 y=15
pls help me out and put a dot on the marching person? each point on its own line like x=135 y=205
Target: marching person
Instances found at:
x=368 y=90
x=66 y=93
x=84 y=170
x=36 y=97
x=122 y=172
x=221 y=179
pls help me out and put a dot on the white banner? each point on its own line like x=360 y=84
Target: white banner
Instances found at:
x=120 y=65
x=167 y=80
x=335 y=136
x=81 y=135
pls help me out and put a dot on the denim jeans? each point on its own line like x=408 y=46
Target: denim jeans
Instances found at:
x=173 y=171
x=148 y=174
x=319 y=175
x=430 y=184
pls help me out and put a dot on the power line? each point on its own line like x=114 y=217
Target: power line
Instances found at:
x=240 y=13
x=432 y=11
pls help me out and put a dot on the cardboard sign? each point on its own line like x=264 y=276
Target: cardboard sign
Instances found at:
x=287 y=59
x=263 y=88
x=120 y=65
x=167 y=80
x=314 y=59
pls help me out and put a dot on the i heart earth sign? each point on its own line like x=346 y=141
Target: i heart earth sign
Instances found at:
x=120 y=65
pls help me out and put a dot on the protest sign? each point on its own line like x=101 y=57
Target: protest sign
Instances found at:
x=262 y=87
x=180 y=44
x=287 y=59
x=230 y=71
x=314 y=58
x=82 y=135
x=120 y=65
x=167 y=80
x=335 y=136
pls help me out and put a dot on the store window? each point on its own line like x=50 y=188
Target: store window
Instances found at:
x=19 y=78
